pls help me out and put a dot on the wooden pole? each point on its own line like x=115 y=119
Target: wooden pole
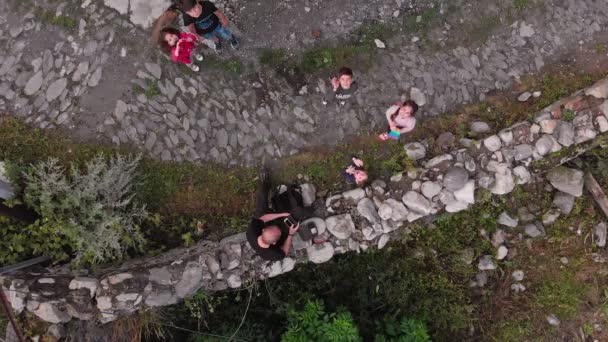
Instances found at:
x=9 y=312
x=596 y=191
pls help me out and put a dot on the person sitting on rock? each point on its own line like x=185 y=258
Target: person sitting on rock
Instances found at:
x=343 y=86
x=180 y=45
x=207 y=21
x=400 y=119
x=271 y=234
x=355 y=173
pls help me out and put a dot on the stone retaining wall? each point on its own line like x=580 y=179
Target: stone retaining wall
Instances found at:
x=353 y=221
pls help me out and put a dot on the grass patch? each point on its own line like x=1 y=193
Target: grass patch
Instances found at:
x=149 y=91
x=51 y=18
x=561 y=294
x=358 y=51
x=428 y=19
x=514 y=331
x=232 y=64
x=273 y=57
x=330 y=58
x=521 y=5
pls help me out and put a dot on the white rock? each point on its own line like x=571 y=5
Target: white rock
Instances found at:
x=503 y=183
x=567 y=180
x=33 y=84
x=49 y=312
x=526 y=31
x=354 y=195
x=486 y=263
x=383 y=240
x=517 y=288
x=467 y=193
x=418 y=96
x=553 y=320
x=385 y=211
x=367 y=209
x=524 y=97
x=308 y=194
x=507 y=220
x=518 y=275
x=399 y=211
x=81 y=282
x=341 y=226
x=600 y=234
x=501 y=253
x=234 y=281
x=492 y=143
x=602 y=123
x=522 y=175
x=379 y=44
x=416 y=202
x=320 y=253
x=430 y=189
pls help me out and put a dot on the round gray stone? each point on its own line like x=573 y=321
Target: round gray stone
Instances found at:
x=455 y=178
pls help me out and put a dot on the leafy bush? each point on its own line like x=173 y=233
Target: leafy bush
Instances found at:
x=313 y=324
x=91 y=211
x=408 y=330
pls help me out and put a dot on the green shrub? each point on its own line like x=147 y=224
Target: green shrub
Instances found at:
x=408 y=330
x=91 y=211
x=314 y=324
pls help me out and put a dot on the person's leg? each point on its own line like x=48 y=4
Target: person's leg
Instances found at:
x=223 y=33
x=212 y=41
x=226 y=34
x=299 y=213
x=261 y=202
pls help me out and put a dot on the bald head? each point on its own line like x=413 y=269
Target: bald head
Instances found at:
x=271 y=234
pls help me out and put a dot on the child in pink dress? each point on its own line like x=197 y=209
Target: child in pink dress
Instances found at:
x=180 y=45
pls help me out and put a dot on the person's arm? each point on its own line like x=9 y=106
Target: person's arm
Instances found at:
x=409 y=127
x=222 y=18
x=389 y=112
x=335 y=83
x=190 y=37
x=270 y=217
x=287 y=245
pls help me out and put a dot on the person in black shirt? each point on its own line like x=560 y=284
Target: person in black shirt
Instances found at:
x=343 y=86
x=206 y=20
x=270 y=234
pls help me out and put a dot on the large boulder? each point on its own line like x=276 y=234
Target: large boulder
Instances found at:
x=455 y=178
x=398 y=211
x=367 y=209
x=416 y=202
x=415 y=150
x=320 y=253
x=567 y=180
x=564 y=202
x=341 y=226
x=354 y=195
x=308 y=193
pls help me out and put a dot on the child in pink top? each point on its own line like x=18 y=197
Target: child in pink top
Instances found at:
x=400 y=119
x=180 y=45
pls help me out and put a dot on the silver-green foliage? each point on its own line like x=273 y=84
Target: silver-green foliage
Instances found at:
x=92 y=208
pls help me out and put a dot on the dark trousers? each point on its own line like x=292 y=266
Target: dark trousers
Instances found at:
x=261 y=206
